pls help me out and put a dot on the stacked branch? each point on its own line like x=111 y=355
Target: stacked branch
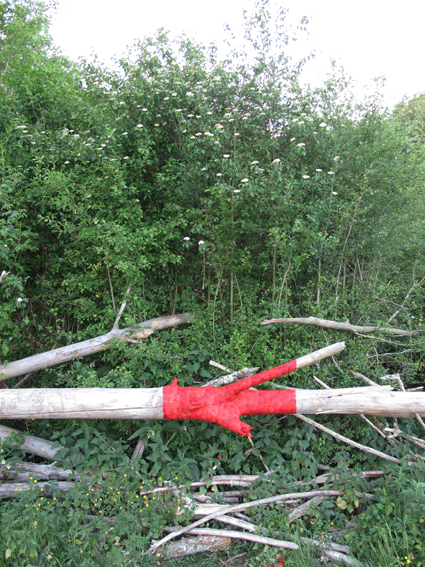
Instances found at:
x=227 y=511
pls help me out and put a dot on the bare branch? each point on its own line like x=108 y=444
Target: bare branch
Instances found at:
x=230 y=378
x=338 y=326
x=416 y=284
x=110 y=287
x=241 y=507
x=91 y=346
x=239 y=535
x=219 y=366
x=124 y=303
x=349 y=441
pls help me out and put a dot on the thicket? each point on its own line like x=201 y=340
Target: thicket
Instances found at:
x=220 y=187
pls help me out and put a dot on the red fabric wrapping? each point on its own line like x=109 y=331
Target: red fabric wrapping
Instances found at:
x=225 y=405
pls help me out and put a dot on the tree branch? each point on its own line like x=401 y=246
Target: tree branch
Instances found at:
x=91 y=346
x=338 y=326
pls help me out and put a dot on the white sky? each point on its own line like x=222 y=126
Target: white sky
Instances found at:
x=369 y=38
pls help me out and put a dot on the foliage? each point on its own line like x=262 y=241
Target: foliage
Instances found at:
x=223 y=188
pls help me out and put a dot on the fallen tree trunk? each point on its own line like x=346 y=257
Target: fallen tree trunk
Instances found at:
x=338 y=326
x=131 y=403
x=223 y=406
x=217 y=405
x=91 y=346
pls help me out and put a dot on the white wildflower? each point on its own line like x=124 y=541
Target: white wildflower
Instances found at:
x=301 y=145
x=208 y=134
x=277 y=160
x=65 y=162
x=319 y=170
x=219 y=175
x=336 y=158
x=334 y=193
x=306 y=177
x=186 y=238
x=189 y=94
x=245 y=180
x=322 y=124
x=156 y=124
x=125 y=134
x=254 y=162
x=292 y=139
x=236 y=134
x=199 y=134
x=178 y=110
x=237 y=191
x=209 y=113
x=201 y=242
x=139 y=126
x=190 y=115
x=226 y=156
x=331 y=172
x=125 y=157
x=19 y=299
x=167 y=98
x=204 y=169
x=193 y=137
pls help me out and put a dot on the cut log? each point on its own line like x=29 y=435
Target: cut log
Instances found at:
x=91 y=346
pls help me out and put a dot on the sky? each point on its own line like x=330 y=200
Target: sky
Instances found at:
x=369 y=38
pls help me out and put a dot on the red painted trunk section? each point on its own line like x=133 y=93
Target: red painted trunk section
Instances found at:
x=225 y=405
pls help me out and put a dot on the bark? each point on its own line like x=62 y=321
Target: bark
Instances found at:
x=91 y=346
x=338 y=326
